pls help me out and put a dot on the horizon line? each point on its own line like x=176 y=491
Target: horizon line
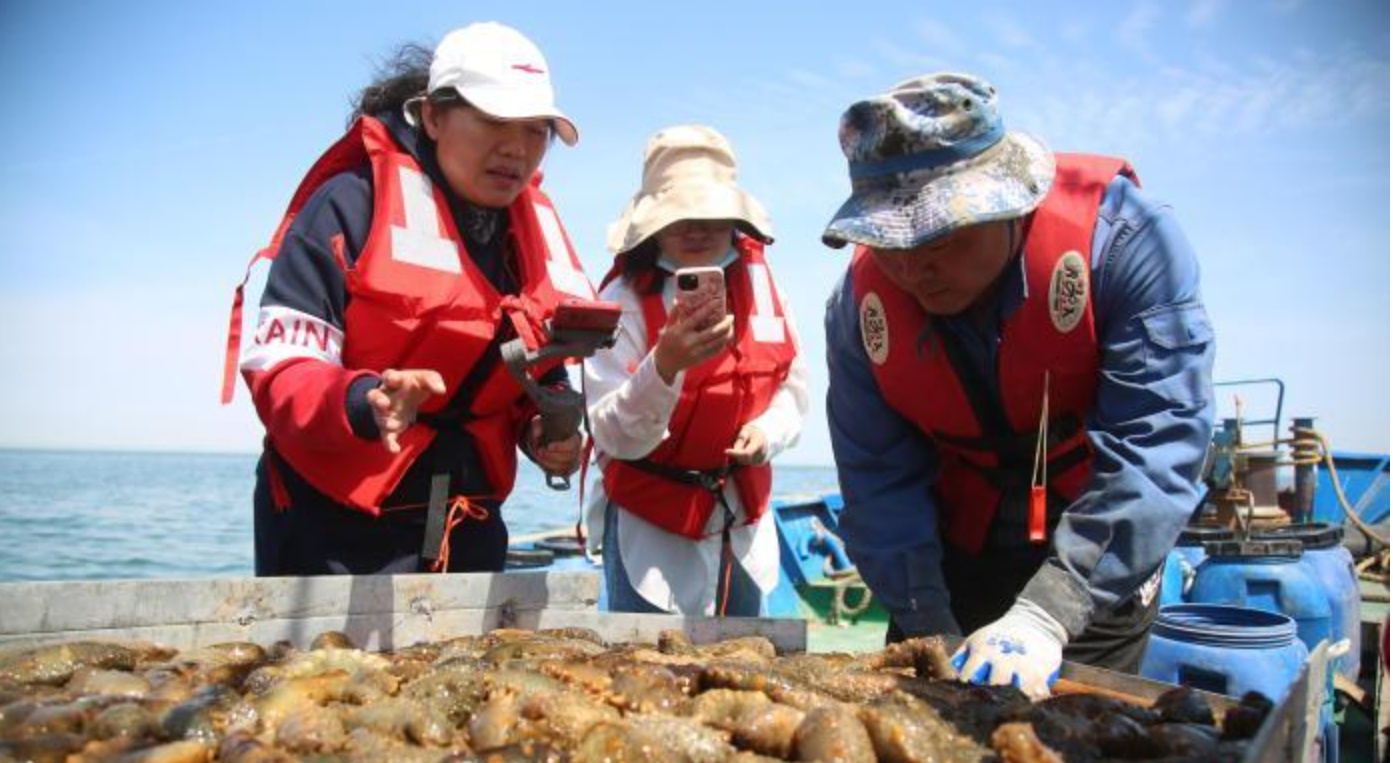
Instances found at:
x=144 y=451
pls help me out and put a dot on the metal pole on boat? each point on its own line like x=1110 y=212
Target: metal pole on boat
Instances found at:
x=1304 y=501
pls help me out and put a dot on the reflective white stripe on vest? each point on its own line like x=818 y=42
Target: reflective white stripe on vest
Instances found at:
x=564 y=276
x=285 y=334
x=420 y=242
x=766 y=325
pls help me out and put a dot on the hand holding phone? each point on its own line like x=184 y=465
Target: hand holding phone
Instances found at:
x=698 y=327
x=702 y=290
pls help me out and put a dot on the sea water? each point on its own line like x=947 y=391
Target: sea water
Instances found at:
x=73 y=515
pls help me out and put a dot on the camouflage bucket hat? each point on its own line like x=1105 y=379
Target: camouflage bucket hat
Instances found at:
x=930 y=157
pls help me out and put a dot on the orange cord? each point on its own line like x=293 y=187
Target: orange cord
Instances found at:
x=725 y=589
x=461 y=508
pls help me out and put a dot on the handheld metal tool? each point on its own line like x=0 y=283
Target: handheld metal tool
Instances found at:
x=578 y=330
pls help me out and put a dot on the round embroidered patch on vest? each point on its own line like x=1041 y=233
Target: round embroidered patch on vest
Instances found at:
x=875 y=331
x=1068 y=291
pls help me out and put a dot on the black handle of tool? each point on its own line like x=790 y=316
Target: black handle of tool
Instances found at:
x=561 y=409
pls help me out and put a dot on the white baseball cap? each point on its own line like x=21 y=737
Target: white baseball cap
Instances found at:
x=501 y=72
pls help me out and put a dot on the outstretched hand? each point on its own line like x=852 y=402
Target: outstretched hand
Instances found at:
x=395 y=401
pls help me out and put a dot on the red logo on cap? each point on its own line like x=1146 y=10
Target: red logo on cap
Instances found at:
x=529 y=68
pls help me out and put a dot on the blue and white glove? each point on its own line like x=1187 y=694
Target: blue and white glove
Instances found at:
x=1024 y=649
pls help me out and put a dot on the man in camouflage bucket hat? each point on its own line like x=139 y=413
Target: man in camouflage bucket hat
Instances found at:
x=1020 y=391
x=926 y=161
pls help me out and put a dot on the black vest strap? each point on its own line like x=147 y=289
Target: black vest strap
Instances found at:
x=456 y=412
x=1007 y=479
x=712 y=481
x=1014 y=451
x=986 y=407
x=452 y=446
x=1018 y=445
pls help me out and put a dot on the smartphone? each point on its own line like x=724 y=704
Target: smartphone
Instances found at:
x=586 y=315
x=698 y=287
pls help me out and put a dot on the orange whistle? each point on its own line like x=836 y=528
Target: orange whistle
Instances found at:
x=1037 y=514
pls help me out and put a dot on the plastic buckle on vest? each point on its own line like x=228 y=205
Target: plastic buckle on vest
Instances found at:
x=714 y=481
x=710 y=482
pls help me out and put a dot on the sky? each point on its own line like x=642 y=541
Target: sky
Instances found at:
x=153 y=147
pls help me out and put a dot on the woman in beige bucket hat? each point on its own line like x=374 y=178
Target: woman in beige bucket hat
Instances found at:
x=693 y=401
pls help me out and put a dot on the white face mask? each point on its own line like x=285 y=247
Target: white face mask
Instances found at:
x=667 y=264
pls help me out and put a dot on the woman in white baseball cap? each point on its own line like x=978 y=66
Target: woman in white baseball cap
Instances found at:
x=413 y=247
x=698 y=393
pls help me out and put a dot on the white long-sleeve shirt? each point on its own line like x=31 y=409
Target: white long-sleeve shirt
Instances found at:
x=629 y=408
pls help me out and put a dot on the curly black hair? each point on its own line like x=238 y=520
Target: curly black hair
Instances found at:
x=402 y=76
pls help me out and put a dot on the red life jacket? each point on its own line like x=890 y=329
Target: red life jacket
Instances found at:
x=987 y=446
x=418 y=301
x=718 y=397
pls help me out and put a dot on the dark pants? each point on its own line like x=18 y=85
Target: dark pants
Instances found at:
x=983 y=587
x=312 y=538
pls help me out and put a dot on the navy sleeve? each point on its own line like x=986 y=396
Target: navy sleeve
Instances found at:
x=1152 y=419
x=886 y=468
x=307 y=281
x=306 y=275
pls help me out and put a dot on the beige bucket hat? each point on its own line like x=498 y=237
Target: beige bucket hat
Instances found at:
x=688 y=174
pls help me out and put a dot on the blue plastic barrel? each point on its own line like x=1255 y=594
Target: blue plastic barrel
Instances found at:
x=1173 y=580
x=1267 y=575
x=1334 y=571
x=1364 y=479
x=1226 y=650
x=1184 y=560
